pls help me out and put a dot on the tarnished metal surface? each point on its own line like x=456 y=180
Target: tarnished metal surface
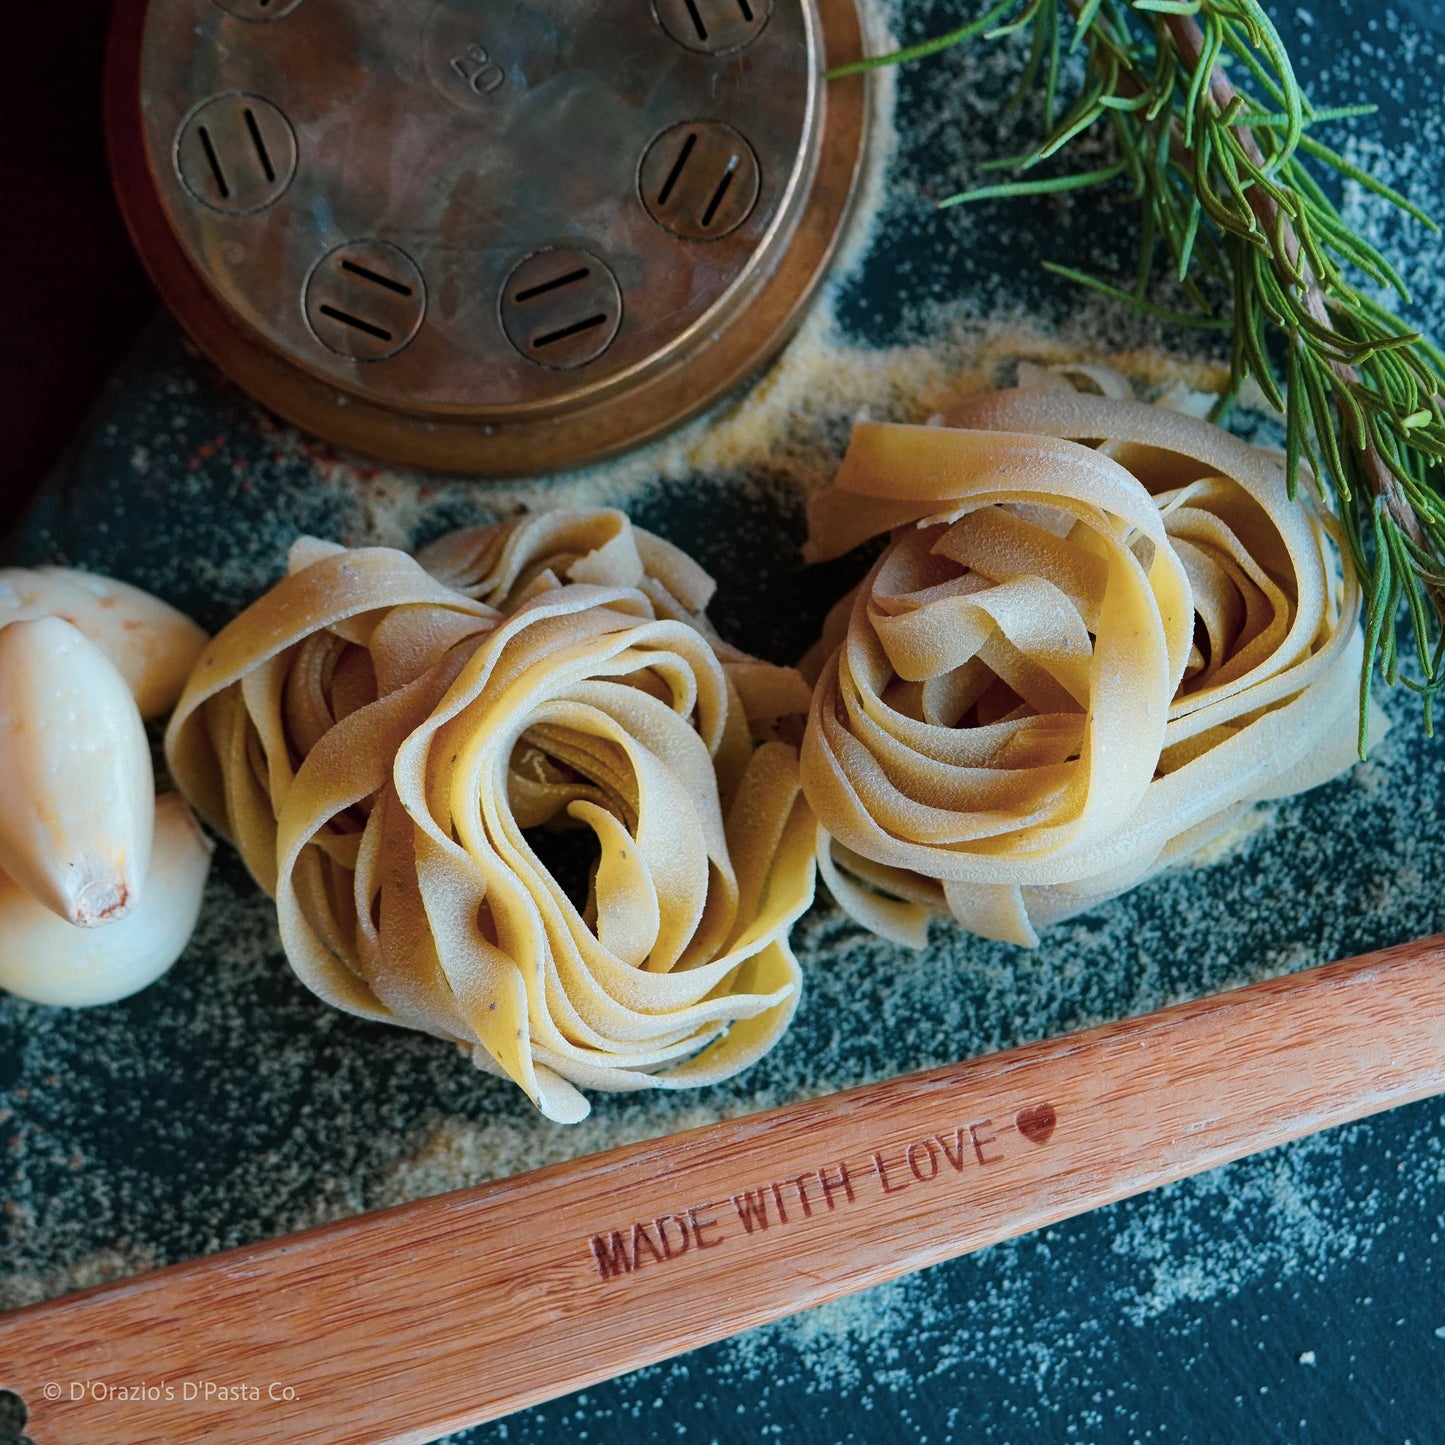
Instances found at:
x=676 y=144
x=700 y=180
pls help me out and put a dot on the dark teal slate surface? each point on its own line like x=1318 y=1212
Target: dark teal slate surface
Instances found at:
x=1297 y=1296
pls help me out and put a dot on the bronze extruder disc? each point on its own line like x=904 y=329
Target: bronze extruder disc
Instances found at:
x=496 y=236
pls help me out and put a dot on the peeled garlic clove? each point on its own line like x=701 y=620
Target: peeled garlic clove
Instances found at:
x=77 y=795
x=152 y=644
x=48 y=961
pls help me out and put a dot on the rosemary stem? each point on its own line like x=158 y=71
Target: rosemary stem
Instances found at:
x=1189 y=40
x=1222 y=172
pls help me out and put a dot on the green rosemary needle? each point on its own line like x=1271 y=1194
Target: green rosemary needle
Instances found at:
x=1216 y=139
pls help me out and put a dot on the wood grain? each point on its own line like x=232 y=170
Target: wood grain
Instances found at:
x=407 y=1324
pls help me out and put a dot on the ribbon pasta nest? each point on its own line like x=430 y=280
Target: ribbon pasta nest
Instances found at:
x=1099 y=632
x=390 y=748
x=516 y=792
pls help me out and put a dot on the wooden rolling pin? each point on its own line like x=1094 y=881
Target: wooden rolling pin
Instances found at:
x=410 y=1323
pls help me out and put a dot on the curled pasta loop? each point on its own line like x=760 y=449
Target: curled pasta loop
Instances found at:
x=507 y=562
x=354 y=649
x=1008 y=727
x=392 y=756
x=676 y=971
x=503 y=563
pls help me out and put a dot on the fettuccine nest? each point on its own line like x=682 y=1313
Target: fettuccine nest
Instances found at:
x=1100 y=631
x=1097 y=633
x=388 y=749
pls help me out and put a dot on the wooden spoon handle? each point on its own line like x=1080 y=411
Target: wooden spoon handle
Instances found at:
x=407 y=1324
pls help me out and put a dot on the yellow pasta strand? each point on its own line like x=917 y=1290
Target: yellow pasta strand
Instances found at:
x=1100 y=631
x=383 y=746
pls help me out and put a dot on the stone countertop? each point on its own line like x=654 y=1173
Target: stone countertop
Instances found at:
x=1297 y=1295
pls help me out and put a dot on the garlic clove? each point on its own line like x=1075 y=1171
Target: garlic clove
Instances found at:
x=46 y=960
x=152 y=644
x=77 y=794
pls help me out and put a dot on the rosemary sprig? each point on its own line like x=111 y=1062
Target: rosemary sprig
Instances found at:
x=1216 y=140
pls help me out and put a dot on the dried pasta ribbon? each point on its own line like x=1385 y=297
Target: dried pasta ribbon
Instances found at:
x=676 y=972
x=1073 y=664
x=505 y=563
x=1268 y=706
x=359 y=645
x=998 y=702
x=386 y=752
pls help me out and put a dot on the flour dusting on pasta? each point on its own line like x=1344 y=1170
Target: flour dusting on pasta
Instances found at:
x=1100 y=632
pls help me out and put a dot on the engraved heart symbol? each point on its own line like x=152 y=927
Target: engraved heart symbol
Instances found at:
x=1036 y=1123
